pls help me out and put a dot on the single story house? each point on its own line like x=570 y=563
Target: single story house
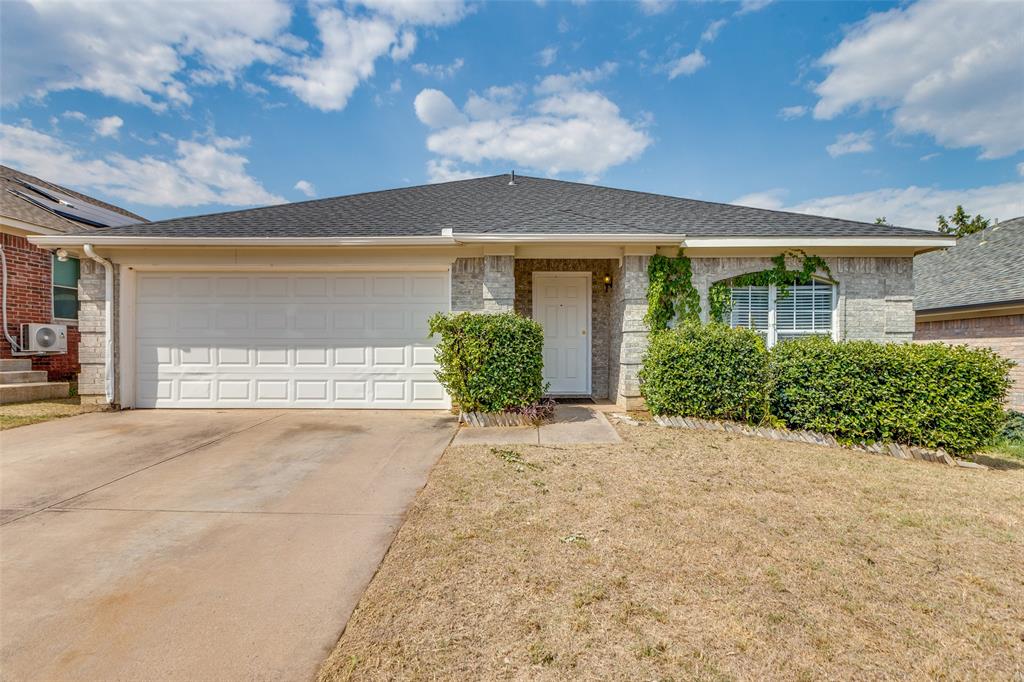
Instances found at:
x=973 y=294
x=39 y=287
x=325 y=303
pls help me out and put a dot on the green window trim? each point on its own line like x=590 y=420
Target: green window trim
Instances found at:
x=64 y=280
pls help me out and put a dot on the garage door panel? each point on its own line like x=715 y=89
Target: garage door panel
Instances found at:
x=288 y=340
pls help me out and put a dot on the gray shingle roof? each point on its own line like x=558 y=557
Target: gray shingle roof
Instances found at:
x=13 y=206
x=490 y=206
x=983 y=268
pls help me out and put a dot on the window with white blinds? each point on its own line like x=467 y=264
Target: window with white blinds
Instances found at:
x=805 y=310
x=750 y=309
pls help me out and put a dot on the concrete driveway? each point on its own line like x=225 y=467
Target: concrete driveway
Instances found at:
x=198 y=544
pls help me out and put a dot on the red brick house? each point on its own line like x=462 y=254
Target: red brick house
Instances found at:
x=973 y=294
x=40 y=287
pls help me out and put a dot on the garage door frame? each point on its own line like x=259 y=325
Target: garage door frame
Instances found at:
x=126 y=291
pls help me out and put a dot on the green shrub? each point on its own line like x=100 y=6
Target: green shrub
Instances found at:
x=709 y=371
x=933 y=395
x=490 y=362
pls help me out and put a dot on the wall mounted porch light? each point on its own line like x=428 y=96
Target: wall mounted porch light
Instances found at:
x=607 y=282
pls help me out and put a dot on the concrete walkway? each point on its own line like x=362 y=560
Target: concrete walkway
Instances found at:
x=198 y=544
x=572 y=424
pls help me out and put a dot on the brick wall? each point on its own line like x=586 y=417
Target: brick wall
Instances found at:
x=600 y=338
x=876 y=295
x=29 y=300
x=1004 y=334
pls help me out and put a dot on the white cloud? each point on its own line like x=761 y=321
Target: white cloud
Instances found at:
x=651 y=7
x=420 y=12
x=951 y=70
x=711 y=32
x=687 y=64
x=395 y=87
x=108 y=126
x=351 y=45
x=404 y=46
x=566 y=129
x=929 y=157
x=748 y=6
x=445 y=170
x=153 y=52
x=851 y=143
x=135 y=51
x=563 y=25
x=208 y=171
x=1020 y=169
x=547 y=56
x=306 y=187
x=437 y=110
x=907 y=206
x=790 y=113
x=496 y=102
x=562 y=82
x=919 y=206
x=441 y=71
x=74 y=115
x=769 y=198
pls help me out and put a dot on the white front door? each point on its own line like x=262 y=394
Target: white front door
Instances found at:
x=561 y=303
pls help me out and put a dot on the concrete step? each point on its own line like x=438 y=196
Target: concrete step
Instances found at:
x=20 y=377
x=22 y=393
x=16 y=365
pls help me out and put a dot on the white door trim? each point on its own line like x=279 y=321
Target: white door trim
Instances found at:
x=588 y=318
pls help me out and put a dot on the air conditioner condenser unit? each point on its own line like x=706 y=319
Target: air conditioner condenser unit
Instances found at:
x=44 y=338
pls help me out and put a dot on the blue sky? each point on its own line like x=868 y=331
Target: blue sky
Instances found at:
x=853 y=109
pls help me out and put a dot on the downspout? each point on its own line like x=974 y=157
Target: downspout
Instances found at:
x=15 y=346
x=108 y=320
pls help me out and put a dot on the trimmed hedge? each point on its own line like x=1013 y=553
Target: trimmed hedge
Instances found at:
x=490 y=362
x=707 y=371
x=932 y=394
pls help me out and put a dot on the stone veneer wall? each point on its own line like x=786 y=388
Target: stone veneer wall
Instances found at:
x=628 y=331
x=1002 y=333
x=876 y=295
x=91 y=316
x=600 y=333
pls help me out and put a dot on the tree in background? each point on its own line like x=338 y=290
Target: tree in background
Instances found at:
x=961 y=223
x=882 y=221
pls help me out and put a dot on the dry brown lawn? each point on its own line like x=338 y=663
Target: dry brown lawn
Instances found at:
x=681 y=555
x=23 y=414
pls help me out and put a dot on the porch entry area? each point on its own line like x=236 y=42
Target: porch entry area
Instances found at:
x=561 y=303
x=571 y=299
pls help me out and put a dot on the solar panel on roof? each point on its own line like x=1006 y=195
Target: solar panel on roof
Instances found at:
x=73 y=208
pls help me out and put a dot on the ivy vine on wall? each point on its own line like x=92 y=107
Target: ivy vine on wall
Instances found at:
x=720 y=300
x=670 y=292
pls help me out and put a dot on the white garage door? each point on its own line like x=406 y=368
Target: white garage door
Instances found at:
x=288 y=339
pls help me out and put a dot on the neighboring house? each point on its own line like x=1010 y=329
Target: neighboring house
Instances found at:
x=973 y=293
x=40 y=288
x=325 y=303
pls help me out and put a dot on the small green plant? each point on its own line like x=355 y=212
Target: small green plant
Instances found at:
x=708 y=371
x=671 y=295
x=574 y=539
x=490 y=362
x=515 y=459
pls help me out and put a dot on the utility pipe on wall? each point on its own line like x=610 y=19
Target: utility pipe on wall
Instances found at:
x=108 y=320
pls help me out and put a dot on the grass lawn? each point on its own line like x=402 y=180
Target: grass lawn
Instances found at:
x=23 y=414
x=680 y=555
